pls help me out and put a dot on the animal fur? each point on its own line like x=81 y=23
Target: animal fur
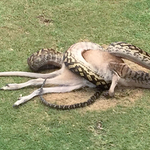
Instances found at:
x=105 y=64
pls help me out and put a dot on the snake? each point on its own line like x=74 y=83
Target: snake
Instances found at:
x=72 y=58
x=50 y=59
x=90 y=101
x=47 y=58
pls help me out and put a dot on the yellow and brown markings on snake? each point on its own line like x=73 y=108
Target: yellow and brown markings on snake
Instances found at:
x=44 y=57
x=121 y=48
x=90 y=101
x=130 y=50
x=138 y=53
x=133 y=48
x=85 y=72
x=123 y=71
x=127 y=47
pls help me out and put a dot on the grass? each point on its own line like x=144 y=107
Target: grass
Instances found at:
x=23 y=31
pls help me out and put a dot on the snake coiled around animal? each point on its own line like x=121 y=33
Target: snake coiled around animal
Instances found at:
x=120 y=49
x=49 y=59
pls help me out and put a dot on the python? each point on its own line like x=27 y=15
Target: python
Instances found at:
x=84 y=64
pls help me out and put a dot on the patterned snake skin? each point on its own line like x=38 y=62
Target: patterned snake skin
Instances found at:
x=45 y=59
x=90 y=101
x=50 y=57
x=130 y=52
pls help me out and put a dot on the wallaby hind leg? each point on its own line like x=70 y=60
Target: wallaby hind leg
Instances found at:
x=31 y=74
x=67 y=81
x=66 y=78
x=16 y=86
x=60 y=89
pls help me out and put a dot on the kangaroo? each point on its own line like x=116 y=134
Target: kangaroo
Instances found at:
x=109 y=69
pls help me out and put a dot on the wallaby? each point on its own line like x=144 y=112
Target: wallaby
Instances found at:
x=107 y=66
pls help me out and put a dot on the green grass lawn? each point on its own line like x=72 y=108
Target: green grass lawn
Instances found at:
x=29 y=25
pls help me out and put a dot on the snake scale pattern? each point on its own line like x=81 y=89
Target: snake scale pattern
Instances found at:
x=49 y=58
x=45 y=59
x=90 y=101
x=130 y=52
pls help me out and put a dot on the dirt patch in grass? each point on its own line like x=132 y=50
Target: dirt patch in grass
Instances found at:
x=44 y=19
x=123 y=96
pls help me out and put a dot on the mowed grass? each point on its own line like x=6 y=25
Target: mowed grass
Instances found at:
x=29 y=25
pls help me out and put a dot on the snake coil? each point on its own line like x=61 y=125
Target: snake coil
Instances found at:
x=51 y=57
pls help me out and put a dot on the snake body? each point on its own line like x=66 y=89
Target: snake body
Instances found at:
x=45 y=59
x=130 y=52
x=75 y=62
x=90 y=101
x=84 y=71
x=49 y=59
